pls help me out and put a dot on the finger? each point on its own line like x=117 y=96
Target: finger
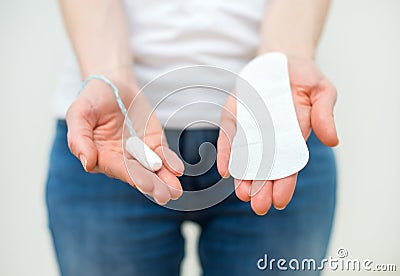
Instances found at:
x=283 y=190
x=224 y=149
x=160 y=192
x=242 y=189
x=131 y=172
x=322 y=120
x=226 y=133
x=170 y=160
x=80 y=135
x=149 y=183
x=256 y=186
x=261 y=202
x=303 y=111
x=174 y=186
x=138 y=176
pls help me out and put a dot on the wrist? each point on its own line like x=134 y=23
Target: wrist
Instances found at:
x=306 y=53
x=127 y=86
x=101 y=88
x=122 y=76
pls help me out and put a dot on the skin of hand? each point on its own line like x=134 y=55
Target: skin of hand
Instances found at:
x=95 y=125
x=314 y=98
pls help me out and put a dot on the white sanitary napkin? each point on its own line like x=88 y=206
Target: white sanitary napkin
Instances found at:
x=268 y=144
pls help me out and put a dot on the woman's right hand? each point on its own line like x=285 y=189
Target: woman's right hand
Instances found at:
x=95 y=125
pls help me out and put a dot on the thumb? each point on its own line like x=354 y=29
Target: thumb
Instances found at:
x=322 y=120
x=80 y=135
x=226 y=133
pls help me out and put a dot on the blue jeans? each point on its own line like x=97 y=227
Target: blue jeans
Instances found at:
x=102 y=226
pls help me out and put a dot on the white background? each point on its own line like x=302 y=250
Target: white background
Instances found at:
x=359 y=52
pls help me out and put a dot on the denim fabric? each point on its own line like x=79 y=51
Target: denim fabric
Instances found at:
x=102 y=226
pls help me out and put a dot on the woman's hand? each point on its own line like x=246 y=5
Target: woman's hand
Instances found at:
x=314 y=98
x=95 y=125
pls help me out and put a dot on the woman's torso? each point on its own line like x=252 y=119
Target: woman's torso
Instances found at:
x=170 y=34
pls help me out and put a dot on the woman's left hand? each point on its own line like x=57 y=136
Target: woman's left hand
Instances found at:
x=314 y=97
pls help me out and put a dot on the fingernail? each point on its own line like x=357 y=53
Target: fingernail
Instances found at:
x=280 y=209
x=159 y=202
x=83 y=160
x=226 y=175
x=262 y=214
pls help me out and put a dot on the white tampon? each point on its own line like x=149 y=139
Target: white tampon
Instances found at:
x=143 y=154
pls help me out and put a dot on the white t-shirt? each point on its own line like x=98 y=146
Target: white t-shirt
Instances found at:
x=170 y=34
